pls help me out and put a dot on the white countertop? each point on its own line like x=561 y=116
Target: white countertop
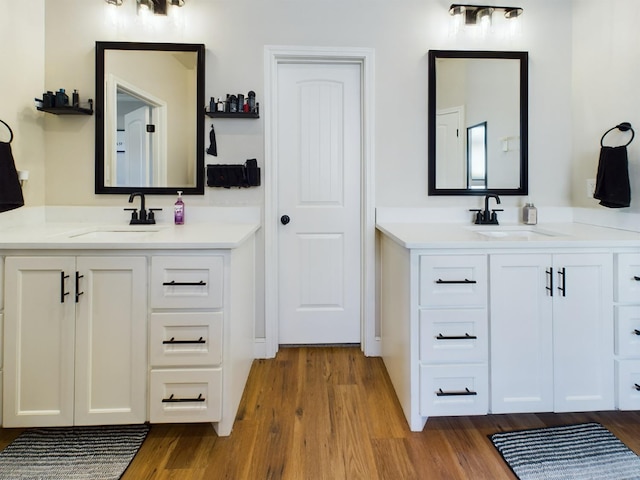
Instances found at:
x=550 y=235
x=121 y=236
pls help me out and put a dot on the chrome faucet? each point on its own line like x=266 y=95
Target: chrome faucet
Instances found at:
x=142 y=218
x=487 y=217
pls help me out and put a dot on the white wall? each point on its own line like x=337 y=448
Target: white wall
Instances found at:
x=21 y=80
x=606 y=75
x=235 y=33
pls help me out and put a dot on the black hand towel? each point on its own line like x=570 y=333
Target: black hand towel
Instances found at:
x=213 y=146
x=612 y=183
x=10 y=190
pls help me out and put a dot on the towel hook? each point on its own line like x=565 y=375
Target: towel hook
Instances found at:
x=623 y=127
x=9 y=128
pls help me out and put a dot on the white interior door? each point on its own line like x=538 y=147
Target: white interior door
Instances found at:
x=450 y=151
x=138 y=151
x=319 y=149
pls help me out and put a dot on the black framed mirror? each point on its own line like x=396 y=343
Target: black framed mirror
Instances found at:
x=149 y=118
x=471 y=88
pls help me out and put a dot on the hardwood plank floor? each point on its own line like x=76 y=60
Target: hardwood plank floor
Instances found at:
x=331 y=413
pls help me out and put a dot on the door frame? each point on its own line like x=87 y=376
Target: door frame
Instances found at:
x=364 y=57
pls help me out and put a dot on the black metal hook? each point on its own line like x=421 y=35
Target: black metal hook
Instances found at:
x=10 y=131
x=623 y=127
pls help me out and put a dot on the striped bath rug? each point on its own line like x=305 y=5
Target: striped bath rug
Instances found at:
x=73 y=453
x=586 y=451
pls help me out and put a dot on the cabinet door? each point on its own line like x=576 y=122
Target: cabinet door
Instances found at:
x=583 y=332
x=521 y=333
x=111 y=340
x=39 y=341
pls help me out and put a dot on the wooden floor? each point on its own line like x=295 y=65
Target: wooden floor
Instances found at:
x=331 y=413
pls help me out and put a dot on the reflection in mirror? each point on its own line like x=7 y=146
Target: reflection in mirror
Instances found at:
x=485 y=95
x=149 y=127
x=477 y=156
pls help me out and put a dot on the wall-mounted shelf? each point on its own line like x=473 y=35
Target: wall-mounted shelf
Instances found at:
x=232 y=114
x=70 y=110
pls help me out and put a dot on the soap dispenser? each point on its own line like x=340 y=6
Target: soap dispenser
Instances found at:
x=178 y=210
x=529 y=214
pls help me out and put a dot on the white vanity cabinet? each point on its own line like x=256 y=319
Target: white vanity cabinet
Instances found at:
x=551 y=332
x=75 y=340
x=200 y=335
x=434 y=333
x=1 y=327
x=627 y=330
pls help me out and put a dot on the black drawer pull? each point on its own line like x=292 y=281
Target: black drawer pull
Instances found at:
x=78 y=292
x=173 y=283
x=173 y=341
x=465 y=281
x=62 y=292
x=636 y=331
x=182 y=400
x=636 y=386
x=466 y=336
x=466 y=392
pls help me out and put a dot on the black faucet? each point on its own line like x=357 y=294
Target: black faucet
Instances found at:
x=142 y=218
x=487 y=217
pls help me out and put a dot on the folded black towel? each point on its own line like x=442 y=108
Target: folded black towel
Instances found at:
x=10 y=190
x=612 y=183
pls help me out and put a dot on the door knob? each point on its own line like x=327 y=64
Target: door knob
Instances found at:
x=284 y=219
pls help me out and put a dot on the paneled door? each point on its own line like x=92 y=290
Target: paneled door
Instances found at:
x=319 y=163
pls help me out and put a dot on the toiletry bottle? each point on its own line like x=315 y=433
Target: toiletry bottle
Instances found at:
x=178 y=210
x=530 y=214
x=75 y=98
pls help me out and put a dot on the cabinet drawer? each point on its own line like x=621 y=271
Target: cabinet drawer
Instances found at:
x=186 y=338
x=459 y=280
x=454 y=390
x=187 y=282
x=628 y=384
x=628 y=331
x=453 y=336
x=628 y=278
x=185 y=395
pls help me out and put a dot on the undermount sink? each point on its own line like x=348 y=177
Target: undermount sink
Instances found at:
x=524 y=232
x=115 y=234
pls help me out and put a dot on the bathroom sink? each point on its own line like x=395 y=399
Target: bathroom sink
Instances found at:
x=116 y=234
x=514 y=232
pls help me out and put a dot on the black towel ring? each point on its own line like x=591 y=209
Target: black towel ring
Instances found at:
x=10 y=131
x=623 y=127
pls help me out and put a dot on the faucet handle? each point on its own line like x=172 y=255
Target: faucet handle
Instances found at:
x=134 y=214
x=151 y=218
x=479 y=215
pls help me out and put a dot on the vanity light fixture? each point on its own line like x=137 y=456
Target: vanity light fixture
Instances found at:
x=158 y=7
x=481 y=14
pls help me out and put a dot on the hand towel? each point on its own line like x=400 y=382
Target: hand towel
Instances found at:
x=10 y=189
x=213 y=146
x=612 y=182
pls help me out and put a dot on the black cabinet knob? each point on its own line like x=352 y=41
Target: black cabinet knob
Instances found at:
x=284 y=219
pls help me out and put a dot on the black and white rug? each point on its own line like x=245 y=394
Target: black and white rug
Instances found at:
x=73 y=453
x=572 y=452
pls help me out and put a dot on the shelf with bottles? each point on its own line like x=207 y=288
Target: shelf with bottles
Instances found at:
x=234 y=106
x=58 y=104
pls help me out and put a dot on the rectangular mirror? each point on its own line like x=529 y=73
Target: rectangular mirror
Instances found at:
x=478 y=122
x=149 y=118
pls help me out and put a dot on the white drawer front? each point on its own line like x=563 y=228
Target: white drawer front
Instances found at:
x=454 y=390
x=187 y=396
x=459 y=280
x=186 y=338
x=628 y=384
x=628 y=331
x=453 y=336
x=187 y=282
x=628 y=277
